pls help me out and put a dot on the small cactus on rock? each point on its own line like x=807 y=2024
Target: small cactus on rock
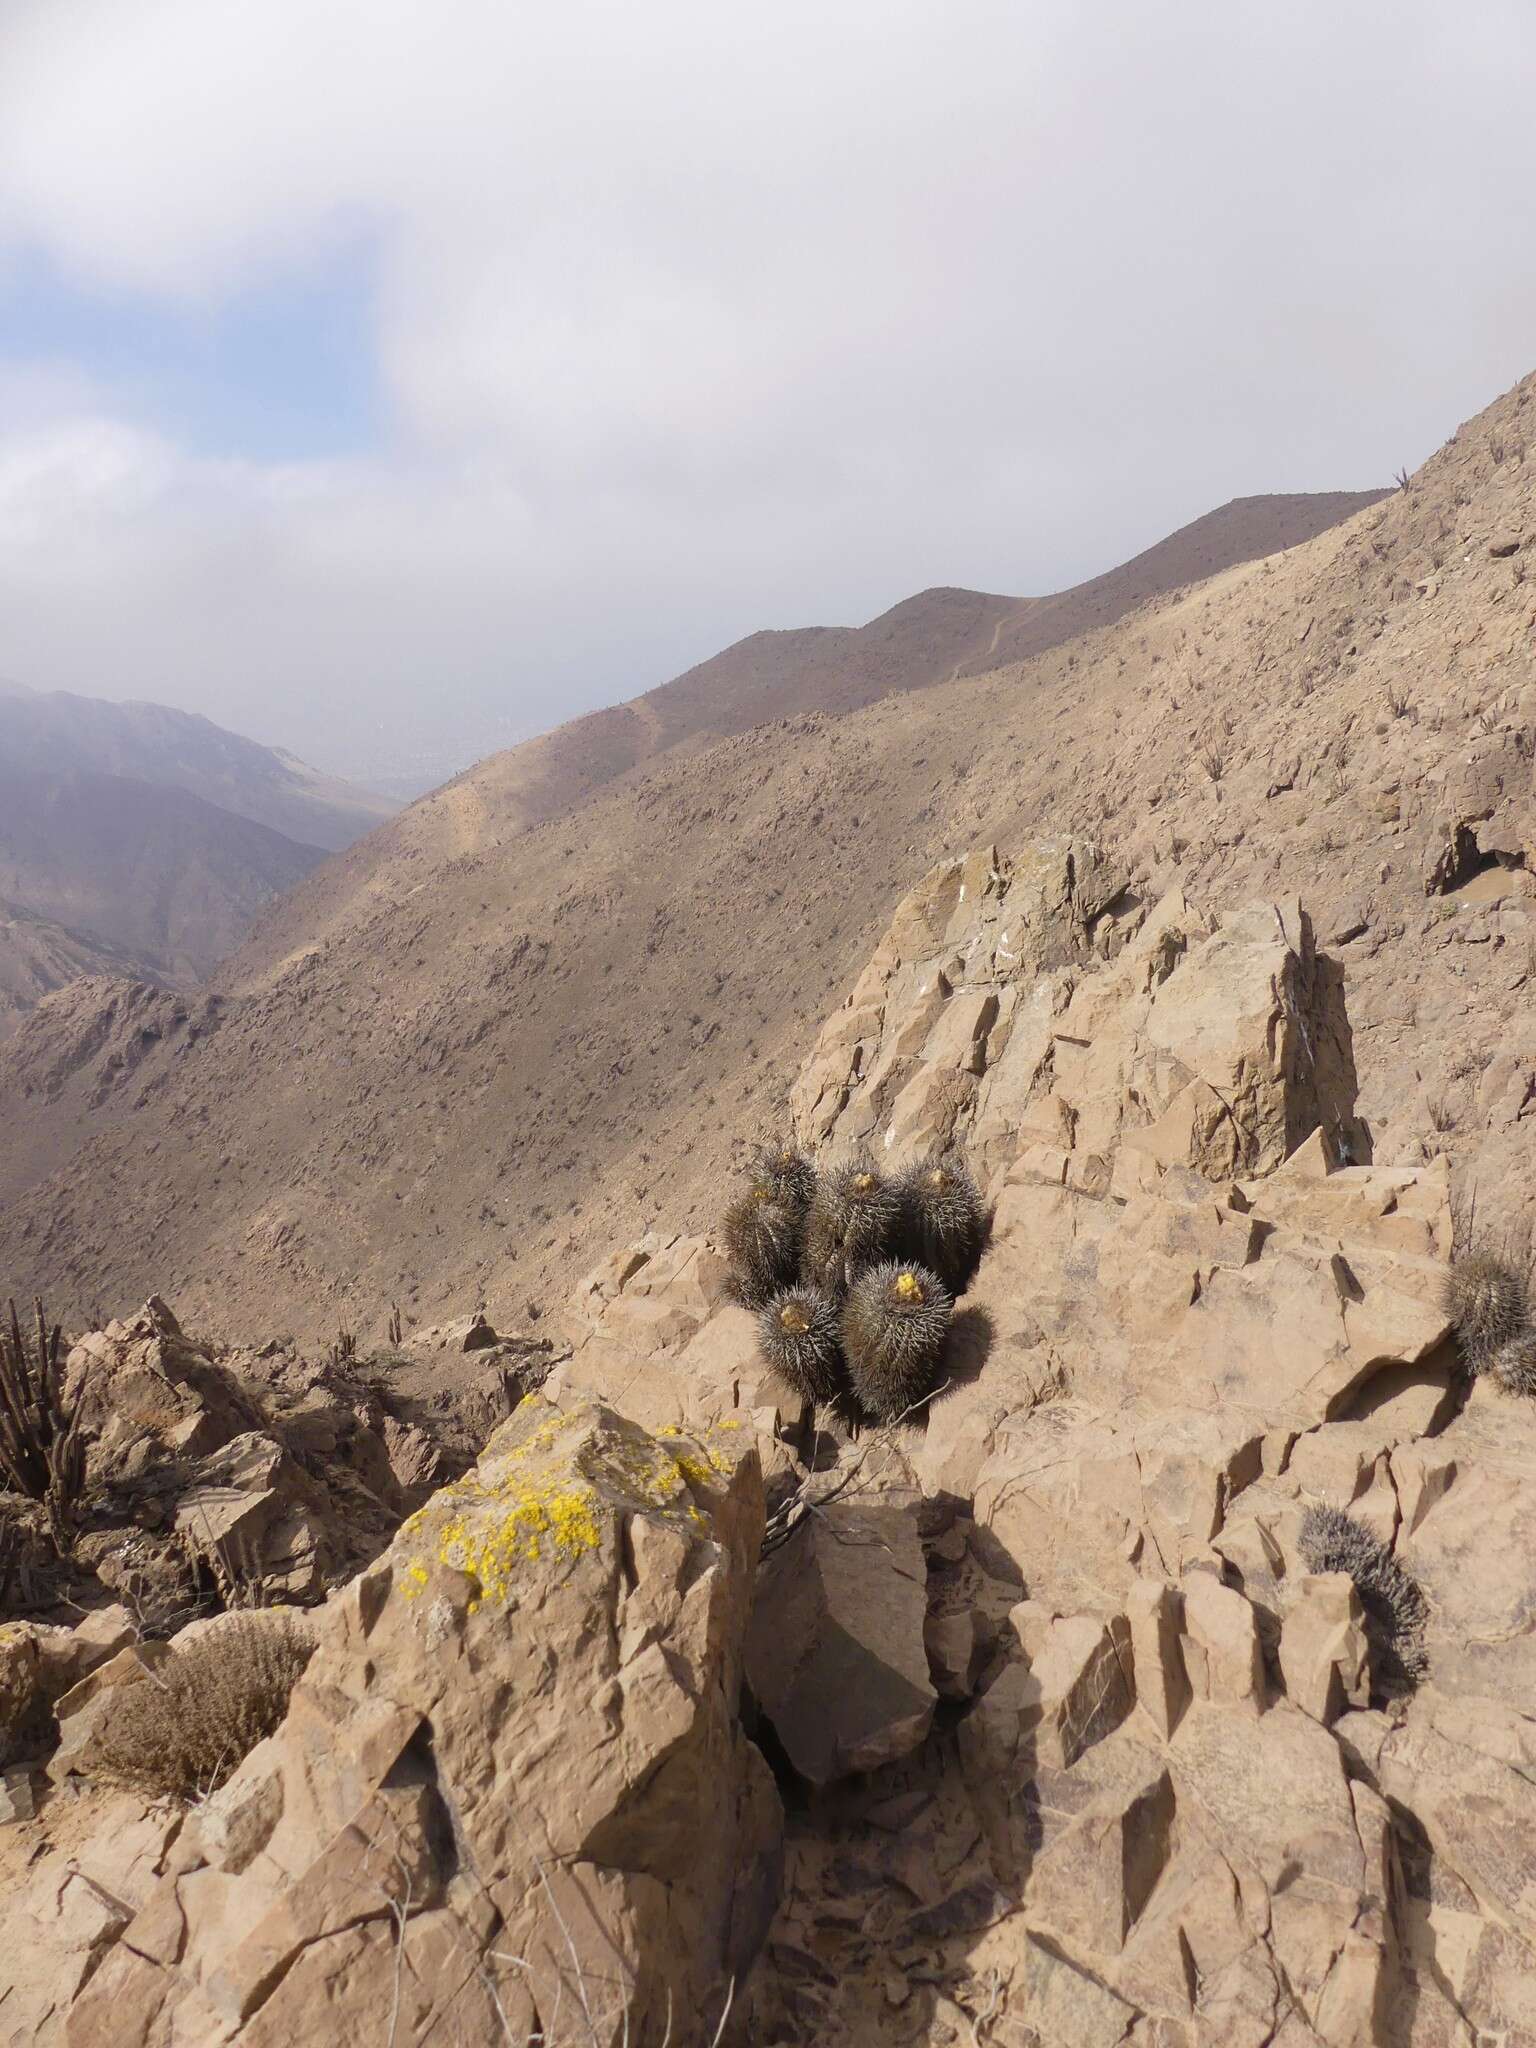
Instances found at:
x=895 y=1321
x=784 y=1169
x=852 y=1223
x=798 y=1332
x=1394 y=1603
x=1488 y=1299
x=943 y=1222
x=762 y=1241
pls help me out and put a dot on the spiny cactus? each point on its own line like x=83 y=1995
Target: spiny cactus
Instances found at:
x=943 y=1223
x=852 y=1223
x=762 y=1241
x=798 y=1332
x=895 y=1321
x=1488 y=1299
x=784 y=1169
x=1394 y=1603
x=42 y=1447
x=1513 y=1365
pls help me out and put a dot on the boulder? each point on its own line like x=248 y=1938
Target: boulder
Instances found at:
x=1323 y=1650
x=836 y=1656
x=471 y=1771
x=147 y=1394
x=1222 y=1652
x=468 y=1333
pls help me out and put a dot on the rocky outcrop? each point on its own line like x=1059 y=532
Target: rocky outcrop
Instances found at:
x=1083 y=1744
x=987 y=1014
x=512 y=1785
x=208 y=1471
x=1189 y=1802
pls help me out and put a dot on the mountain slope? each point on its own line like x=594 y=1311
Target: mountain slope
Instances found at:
x=505 y=1049
x=38 y=956
x=57 y=732
x=158 y=877
x=924 y=641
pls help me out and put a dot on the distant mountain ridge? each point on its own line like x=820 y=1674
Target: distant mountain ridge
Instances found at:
x=58 y=731
x=142 y=841
x=927 y=640
x=162 y=878
x=38 y=956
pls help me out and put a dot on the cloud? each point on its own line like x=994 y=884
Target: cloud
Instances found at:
x=692 y=319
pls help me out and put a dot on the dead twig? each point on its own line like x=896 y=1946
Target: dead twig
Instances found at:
x=792 y=1512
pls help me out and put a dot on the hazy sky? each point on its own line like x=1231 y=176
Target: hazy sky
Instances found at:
x=381 y=377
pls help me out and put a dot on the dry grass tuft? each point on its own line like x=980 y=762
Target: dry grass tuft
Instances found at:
x=181 y=1731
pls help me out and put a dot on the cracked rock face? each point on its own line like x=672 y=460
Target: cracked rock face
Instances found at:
x=1185 y=1802
x=518 y=1738
x=1079 y=1744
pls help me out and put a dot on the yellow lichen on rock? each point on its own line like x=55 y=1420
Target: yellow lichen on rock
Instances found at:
x=540 y=1494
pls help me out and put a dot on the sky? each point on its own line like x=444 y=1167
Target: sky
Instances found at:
x=390 y=382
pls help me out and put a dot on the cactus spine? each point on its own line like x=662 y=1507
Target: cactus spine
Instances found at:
x=798 y=1335
x=895 y=1321
x=943 y=1223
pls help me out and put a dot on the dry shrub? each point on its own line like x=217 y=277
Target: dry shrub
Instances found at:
x=183 y=1729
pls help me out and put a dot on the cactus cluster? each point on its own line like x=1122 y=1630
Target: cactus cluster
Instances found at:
x=853 y=1273
x=1487 y=1297
x=1394 y=1603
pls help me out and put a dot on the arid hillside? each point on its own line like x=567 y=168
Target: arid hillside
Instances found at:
x=480 y=1054
x=162 y=878
x=57 y=732
x=149 y=837
x=925 y=640
x=38 y=956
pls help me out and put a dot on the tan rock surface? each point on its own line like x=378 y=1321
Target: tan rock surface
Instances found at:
x=481 y=967
x=1141 y=1775
x=836 y=1655
x=1191 y=1324
x=517 y=1738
